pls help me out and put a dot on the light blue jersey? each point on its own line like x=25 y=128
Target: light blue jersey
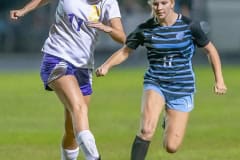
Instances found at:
x=169 y=51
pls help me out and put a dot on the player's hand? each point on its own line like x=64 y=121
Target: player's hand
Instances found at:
x=101 y=71
x=16 y=14
x=220 y=88
x=99 y=26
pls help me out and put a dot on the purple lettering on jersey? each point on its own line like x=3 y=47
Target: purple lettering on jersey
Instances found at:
x=79 y=20
x=70 y=16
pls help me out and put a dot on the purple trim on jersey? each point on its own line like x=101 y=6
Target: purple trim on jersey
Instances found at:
x=83 y=75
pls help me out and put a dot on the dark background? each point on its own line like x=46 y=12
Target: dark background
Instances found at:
x=23 y=39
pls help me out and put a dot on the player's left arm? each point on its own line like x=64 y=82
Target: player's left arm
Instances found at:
x=214 y=59
x=201 y=40
x=114 y=29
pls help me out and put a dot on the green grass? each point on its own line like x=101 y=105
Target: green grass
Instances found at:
x=31 y=119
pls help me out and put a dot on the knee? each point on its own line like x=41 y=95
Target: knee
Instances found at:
x=171 y=147
x=147 y=133
x=79 y=108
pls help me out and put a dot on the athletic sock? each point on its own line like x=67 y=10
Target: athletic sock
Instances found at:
x=139 y=149
x=86 y=142
x=67 y=154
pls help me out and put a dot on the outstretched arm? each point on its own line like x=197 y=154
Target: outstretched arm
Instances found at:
x=15 y=14
x=114 y=29
x=118 y=57
x=220 y=87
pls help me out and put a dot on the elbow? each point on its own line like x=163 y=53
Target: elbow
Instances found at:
x=121 y=39
x=118 y=36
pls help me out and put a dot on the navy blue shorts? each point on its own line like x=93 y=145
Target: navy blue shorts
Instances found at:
x=53 y=67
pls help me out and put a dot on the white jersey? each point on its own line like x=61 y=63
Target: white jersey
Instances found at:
x=70 y=38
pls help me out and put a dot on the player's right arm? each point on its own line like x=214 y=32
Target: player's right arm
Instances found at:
x=133 y=40
x=118 y=57
x=33 y=4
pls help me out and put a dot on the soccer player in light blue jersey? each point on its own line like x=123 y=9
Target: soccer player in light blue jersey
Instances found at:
x=68 y=61
x=170 y=40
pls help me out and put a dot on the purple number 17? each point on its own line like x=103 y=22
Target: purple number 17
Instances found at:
x=79 y=20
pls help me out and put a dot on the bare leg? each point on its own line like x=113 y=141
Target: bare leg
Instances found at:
x=176 y=123
x=69 y=141
x=67 y=89
x=152 y=106
x=69 y=148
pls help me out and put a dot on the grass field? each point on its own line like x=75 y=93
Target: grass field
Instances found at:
x=31 y=120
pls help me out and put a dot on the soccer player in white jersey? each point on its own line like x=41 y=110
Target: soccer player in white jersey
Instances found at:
x=68 y=62
x=170 y=40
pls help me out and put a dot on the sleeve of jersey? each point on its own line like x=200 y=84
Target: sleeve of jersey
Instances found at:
x=113 y=10
x=134 y=39
x=199 y=37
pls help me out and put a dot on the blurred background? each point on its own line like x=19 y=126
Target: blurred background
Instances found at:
x=21 y=41
x=27 y=111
